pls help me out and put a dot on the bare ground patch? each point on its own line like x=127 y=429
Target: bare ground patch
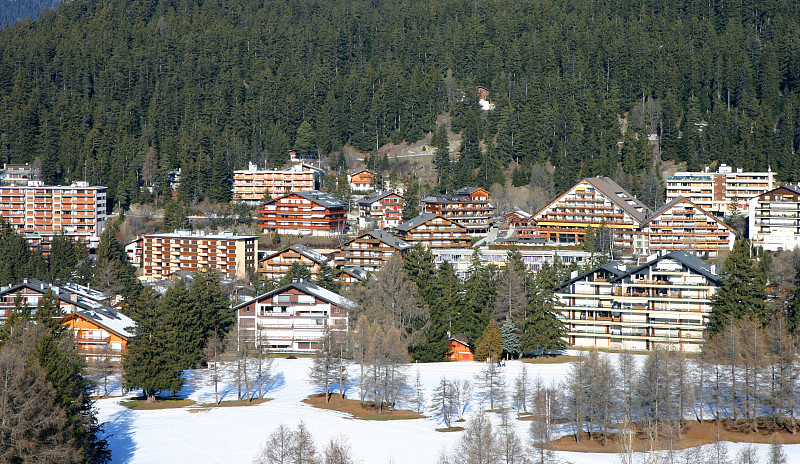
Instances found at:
x=361 y=411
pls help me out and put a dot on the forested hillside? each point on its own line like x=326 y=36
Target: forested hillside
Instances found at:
x=120 y=92
x=17 y=10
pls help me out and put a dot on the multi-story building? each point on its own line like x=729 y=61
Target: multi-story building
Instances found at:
x=468 y=206
x=41 y=212
x=252 y=185
x=665 y=302
x=682 y=225
x=534 y=257
x=363 y=180
x=100 y=333
x=274 y=266
x=18 y=174
x=293 y=318
x=593 y=202
x=231 y=255
x=369 y=250
x=349 y=275
x=304 y=213
x=719 y=192
x=775 y=219
x=380 y=210
x=433 y=230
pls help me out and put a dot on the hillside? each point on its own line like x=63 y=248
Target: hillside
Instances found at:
x=121 y=92
x=12 y=11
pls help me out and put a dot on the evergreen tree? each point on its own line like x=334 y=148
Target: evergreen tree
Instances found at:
x=480 y=290
x=306 y=143
x=443 y=312
x=63 y=259
x=216 y=317
x=543 y=330
x=441 y=160
x=419 y=266
x=327 y=280
x=148 y=364
x=175 y=217
x=17 y=260
x=743 y=292
x=490 y=344
x=297 y=272
x=411 y=205
x=510 y=340
x=112 y=271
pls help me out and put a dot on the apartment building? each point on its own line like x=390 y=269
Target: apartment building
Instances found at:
x=665 y=302
x=380 y=210
x=304 y=213
x=41 y=212
x=533 y=257
x=293 y=318
x=468 y=206
x=369 y=250
x=433 y=230
x=231 y=255
x=100 y=332
x=719 y=192
x=775 y=219
x=252 y=184
x=18 y=174
x=274 y=266
x=593 y=202
x=682 y=225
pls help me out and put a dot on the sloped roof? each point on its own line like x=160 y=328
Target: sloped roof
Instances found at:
x=674 y=202
x=109 y=319
x=384 y=237
x=373 y=197
x=621 y=197
x=791 y=188
x=467 y=190
x=308 y=288
x=356 y=272
x=414 y=222
x=687 y=259
x=322 y=198
x=617 y=268
x=463 y=339
x=313 y=255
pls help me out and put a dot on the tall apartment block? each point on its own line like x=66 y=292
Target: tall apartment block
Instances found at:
x=251 y=185
x=665 y=302
x=227 y=253
x=304 y=213
x=468 y=206
x=41 y=212
x=775 y=219
x=719 y=192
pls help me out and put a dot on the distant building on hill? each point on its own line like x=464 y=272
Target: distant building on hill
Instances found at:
x=775 y=219
x=250 y=186
x=721 y=192
x=468 y=206
x=304 y=213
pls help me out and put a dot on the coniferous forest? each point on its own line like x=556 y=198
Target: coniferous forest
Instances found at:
x=119 y=92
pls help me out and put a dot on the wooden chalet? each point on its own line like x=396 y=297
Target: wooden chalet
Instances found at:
x=468 y=206
x=370 y=250
x=460 y=349
x=380 y=210
x=276 y=265
x=362 y=181
x=433 y=230
x=304 y=213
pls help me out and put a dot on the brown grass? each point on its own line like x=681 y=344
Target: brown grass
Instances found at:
x=450 y=429
x=235 y=403
x=165 y=403
x=357 y=410
x=695 y=434
x=559 y=359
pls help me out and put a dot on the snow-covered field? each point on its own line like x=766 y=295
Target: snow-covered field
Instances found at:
x=235 y=434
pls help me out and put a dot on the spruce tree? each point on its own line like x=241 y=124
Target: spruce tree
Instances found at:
x=207 y=294
x=63 y=259
x=112 y=271
x=743 y=292
x=490 y=344
x=510 y=340
x=443 y=312
x=419 y=266
x=480 y=290
x=297 y=272
x=543 y=330
x=327 y=280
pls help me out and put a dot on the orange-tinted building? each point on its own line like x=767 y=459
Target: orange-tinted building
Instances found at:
x=41 y=212
x=275 y=265
x=362 y=181
x=304 y=213
x=251 y=185
x=231 y=255
x=460 y=349
x=380 y=210
x=468 y=206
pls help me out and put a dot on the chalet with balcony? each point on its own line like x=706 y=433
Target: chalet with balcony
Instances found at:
x=380 y=210
x=370 y=250
x=468 y=206
x=304 y=213
x=775 y=219
x=666 y=302
x=363 y=180
x=276 y=265
x=293 y=318
x=433 y=230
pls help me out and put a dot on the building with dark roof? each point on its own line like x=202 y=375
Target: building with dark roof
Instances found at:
x=468 y=206
x=370 y=250
x=304 y=213
x=775 y=219
x=380 y=210
x=432 y=230
x=292 y=318
x=665 y=302
x=275 y=265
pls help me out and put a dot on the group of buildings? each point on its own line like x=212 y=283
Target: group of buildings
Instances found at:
x=663 y=297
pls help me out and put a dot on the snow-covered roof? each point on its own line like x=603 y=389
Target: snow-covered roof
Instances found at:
x=308 y=288
x=109 y=319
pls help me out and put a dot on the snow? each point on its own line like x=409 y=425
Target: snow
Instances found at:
x=236 y=434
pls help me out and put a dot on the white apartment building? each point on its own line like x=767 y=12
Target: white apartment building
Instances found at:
x=722 y=191
x=775 y=219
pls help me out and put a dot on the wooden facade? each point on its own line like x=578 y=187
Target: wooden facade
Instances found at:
x=468 y=206
x=682 y=225
x=362 y=181
x=380 y=210
x=775 y=219
x=433 y=230
x=252 y=185
x=304 y=213
x=460 y=349
x=369 y=250
x=276 y=265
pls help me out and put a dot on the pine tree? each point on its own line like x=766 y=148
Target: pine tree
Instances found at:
x=480 y=290
x=510 y=340
x=543 y=330
x=742 y=293
x=306 y=145
x=297 y=272
x=490 y=345
x=207 y=294
x=63 y=259
x=443 y=311
x=419 y=267
x=327 y=280
x=112 y=271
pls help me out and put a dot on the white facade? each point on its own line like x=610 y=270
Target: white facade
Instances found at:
x=774 y=218
x=532 y=257
x=719 y=192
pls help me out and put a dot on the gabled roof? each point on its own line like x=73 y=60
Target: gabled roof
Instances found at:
x=303 y=250
x=463 y=339
x=621 y=197
x=357 y=272
x=519 y=213
x=384 y=237
x=109 y=319
x=468 y=190
x=321 y=198
x=373 y=197
x=422 y=219
x=309 y=288
x=687 y=259
x=614 y=267
x=790 y=188
x=674 y=202
x=362 y=170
